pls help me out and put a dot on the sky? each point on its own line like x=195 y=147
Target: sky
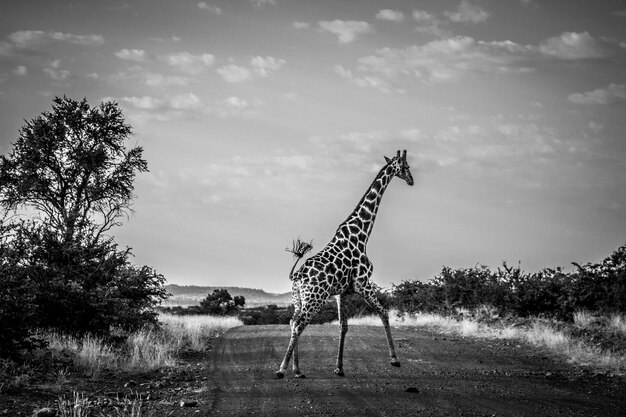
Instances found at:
x=267 y=120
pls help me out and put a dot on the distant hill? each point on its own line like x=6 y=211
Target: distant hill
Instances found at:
x=186 y=295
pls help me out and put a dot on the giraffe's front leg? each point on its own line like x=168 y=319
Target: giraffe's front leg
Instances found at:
x=369 y=294
x=343 y=329
x=392 y=349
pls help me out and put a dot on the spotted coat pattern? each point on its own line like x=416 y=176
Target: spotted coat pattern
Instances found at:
x=343 y=267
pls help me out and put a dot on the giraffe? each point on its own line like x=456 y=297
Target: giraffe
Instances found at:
x=341 y=268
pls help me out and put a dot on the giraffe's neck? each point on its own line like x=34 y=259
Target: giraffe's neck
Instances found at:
x=361 y=221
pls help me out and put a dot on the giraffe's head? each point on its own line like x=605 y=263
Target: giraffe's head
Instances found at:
x=401 y=167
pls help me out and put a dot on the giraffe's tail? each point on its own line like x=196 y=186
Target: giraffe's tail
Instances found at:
x=299 y=249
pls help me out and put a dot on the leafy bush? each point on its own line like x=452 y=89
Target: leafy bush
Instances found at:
x=92 y=288
x=17 y=297
x=221 y=303
x=269 y=314
x=597 y=287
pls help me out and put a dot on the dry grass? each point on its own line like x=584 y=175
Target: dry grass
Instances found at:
x=584 y=319
x=618 y=322
x=80 y=405
x=538 y=334
x=143 y=350
x=194 y=331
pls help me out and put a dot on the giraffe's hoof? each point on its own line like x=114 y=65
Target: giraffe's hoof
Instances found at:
x=395 y=362
x=279 y=375
x=339 y=372
x=300 y=375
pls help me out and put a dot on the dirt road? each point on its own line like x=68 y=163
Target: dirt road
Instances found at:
x=439 y=376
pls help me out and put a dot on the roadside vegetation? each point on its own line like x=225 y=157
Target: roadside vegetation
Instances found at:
x=578 y=314
x=599 y=345
x=67 y=360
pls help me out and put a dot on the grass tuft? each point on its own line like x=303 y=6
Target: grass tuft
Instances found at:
x=618 y=322
x=538 y=333
x=143 y=350
x=584 y=319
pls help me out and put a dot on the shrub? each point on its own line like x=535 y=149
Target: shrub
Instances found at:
x=221 y=303
x=17 y=295
x=599 y=287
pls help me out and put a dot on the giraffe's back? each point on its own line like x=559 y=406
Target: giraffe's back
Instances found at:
x=332 y=270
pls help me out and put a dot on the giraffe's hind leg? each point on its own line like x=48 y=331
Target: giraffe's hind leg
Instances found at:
x=296 y=359
x=299 y=323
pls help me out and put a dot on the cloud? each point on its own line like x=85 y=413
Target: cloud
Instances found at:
x=234 y=73
x=429 y=24
x=20 y=71
x=55 y=72
x=189 y=63
x=528 y=3
x=571 y=46
x=468 y=12
x=57 y=75
x=423 y=16
x=164 y=108
x=149 y=78
x=142 y=103
x=263 y=66
x=260 y=4
x=390 y=15
x=233 y=106
x=259 y=67
x=446 y=60
x=454 y=58
x=492 y=147
x=301 y=25
x=187 y=101
x=602 y=96
x=620 y=13
x=346 y=30
x=213 y=9
x=187 y=105
x=137 y=55
x=28 y=38
x=364 y=81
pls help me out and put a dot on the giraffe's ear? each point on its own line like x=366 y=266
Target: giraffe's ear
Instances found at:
x=387 y=159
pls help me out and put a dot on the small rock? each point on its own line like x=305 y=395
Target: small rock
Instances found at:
x=184 y=403
x=44 y=412
x=412 y=389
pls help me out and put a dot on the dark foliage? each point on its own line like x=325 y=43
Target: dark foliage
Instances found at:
x=221 y=303
x=17 y=294
x=269 y=314
x=218 y=303
x=74 y=288
x=599 y=287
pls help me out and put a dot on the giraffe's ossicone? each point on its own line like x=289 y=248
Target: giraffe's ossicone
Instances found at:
x=342 y=267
